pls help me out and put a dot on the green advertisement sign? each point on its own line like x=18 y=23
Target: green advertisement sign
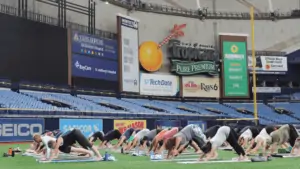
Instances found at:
x=235 y=67
x=190 y=68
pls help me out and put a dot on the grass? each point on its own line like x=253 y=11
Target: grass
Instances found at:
x=129 y=162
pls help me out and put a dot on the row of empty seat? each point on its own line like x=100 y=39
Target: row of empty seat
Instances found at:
x=35 y=100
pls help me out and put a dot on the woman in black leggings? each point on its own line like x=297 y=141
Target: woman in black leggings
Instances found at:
x=65 y=141
x=223 y=134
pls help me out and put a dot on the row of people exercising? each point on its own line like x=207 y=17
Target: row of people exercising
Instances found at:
x=175 y=140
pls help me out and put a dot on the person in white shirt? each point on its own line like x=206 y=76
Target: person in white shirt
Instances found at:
x=247 y=135
x=44 y=140
x=224 y=133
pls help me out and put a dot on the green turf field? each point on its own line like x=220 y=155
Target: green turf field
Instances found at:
x=129 y=162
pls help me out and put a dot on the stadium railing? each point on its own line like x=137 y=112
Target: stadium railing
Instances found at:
x=8 y=112
x=168 y=10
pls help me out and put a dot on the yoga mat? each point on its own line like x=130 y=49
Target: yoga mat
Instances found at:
x=206 y=162
x=70 y=161
x=180 y=159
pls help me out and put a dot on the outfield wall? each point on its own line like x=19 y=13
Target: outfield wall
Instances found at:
x=22 y=129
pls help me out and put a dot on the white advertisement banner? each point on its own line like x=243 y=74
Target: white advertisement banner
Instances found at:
x=129 y=42
x=201 y=86
x=159 y=85
x=269 y=64
x=267 y=90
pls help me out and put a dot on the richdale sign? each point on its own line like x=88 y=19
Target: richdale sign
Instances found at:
x=192 y=59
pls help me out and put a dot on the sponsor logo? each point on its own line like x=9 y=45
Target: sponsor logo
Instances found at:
x=123 y=125
x=9 y=130
x=87 y=39
x=82 y=67
x=192 y=86
x=84 y=128
x=153 y=82
x=153 y=50
x=131 y=81
x=193 y=59
x=130 y=23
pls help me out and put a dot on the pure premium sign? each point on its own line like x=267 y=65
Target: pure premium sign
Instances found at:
x=191 y=59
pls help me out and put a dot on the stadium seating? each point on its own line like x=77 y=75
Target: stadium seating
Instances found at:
x=26 y=99
x=134 y=108
x=75 y=102
x=265 y=112
x=292 y=107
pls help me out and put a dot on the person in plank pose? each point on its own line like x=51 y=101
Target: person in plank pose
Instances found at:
x=137 y=139
x=188 y=135
x=296 y=149
x=109 y=136
x=126 y=136
x=157 y=141
x=167 y=135
x=148 y=138
x=65 y=142
x=262 y=140
x=223 y=134
x=38 y=145
x=43 y=140
x=286 y=133
x=248 y=134
x=95 y=136
x=211 y=132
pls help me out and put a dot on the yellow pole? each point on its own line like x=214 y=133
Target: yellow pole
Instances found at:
x=253 y=65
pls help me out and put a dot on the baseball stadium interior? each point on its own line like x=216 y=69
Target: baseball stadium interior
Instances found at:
x=110 y=72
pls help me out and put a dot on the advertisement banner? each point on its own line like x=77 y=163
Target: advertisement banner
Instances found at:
x=88 y=67
x=123 y=125
x=201 y=86
x=18 y=130
x=167 y=123
x=86 y=126
x=129 y=43
x=201 y=124
x=267 y=89
x=269 y=64
x=235 y=69
x=85 y=44
x=159 y=85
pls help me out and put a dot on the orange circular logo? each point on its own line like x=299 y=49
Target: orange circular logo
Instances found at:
x=150 y=56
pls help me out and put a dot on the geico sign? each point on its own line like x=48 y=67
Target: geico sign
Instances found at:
x=8 y=130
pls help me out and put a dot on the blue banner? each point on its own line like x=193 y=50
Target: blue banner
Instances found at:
x=88 y=67
x=19 y=130
x=201 y=124
x=86 y=126
x=167 y=123
x=85 y=44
